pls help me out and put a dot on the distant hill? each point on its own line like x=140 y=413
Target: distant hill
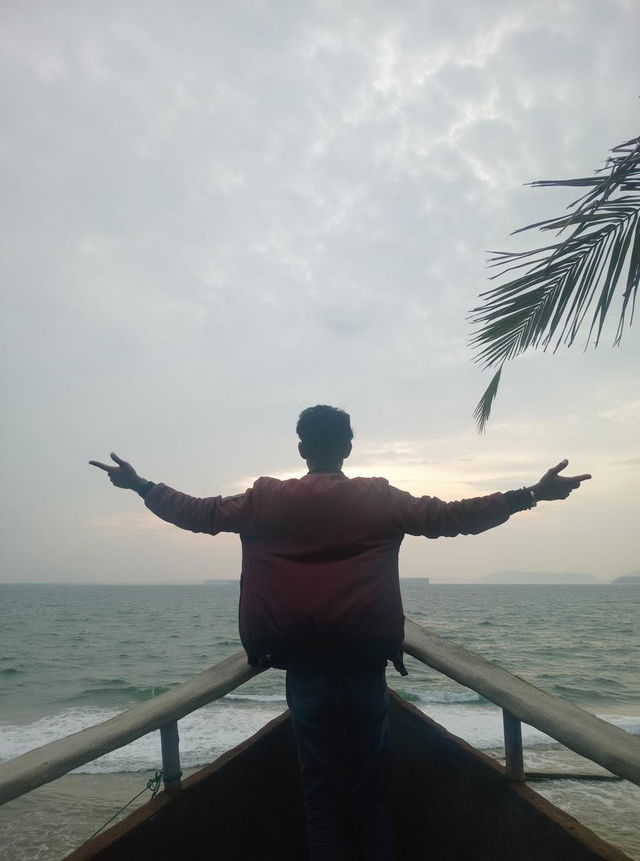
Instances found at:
x=539 y=577
x=632 y=579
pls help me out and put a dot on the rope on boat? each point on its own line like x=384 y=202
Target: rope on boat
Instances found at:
x=153 y=785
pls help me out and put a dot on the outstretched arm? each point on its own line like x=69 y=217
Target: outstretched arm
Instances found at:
x=434 y=518
x=211 y=515
x=123 y=474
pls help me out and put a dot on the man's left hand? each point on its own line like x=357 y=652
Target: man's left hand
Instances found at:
x=552 y=485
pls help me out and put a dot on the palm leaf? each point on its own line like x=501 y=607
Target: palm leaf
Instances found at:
x=553 y=290
x=483 y=409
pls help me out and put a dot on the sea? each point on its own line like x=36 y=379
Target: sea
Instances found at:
x=75 y=655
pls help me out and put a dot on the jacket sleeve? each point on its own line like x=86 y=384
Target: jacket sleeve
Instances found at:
x=211 y=515
x=433 y=518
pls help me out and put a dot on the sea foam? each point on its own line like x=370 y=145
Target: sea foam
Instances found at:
x=214 y=729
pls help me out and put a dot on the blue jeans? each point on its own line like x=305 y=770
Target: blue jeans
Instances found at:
x=341 y=722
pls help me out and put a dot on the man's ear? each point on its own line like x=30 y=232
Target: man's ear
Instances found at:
x=347 y=451
x=302 y=450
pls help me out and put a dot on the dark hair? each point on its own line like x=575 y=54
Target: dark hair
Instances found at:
x=325 y=431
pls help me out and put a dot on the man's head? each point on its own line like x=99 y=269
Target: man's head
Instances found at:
x=325 y=436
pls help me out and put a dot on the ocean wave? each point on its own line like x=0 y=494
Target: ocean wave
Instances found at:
x=204 y=736
x=118 y=692
x=482 y=726
x=628 y=723
x=441 y=697
x=449 y=697
x=219 y=726
x=605 y=691
x=257 y=698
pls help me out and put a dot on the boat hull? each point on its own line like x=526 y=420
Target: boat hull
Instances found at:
x=451 y=802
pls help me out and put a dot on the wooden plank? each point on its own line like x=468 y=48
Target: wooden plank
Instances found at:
x=579 y=730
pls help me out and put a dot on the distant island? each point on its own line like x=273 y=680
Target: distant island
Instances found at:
x=632 y=579
x=537 y=577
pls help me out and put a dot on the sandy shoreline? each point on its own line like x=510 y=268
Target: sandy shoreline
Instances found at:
x=48 y=823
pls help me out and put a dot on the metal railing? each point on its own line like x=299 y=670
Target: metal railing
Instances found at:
x=57 y=758
x=522 y=702
x=582 y=732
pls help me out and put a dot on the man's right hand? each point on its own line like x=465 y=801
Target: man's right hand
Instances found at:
x=123 y=475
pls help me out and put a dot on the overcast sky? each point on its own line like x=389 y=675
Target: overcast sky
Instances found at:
x=217 y=214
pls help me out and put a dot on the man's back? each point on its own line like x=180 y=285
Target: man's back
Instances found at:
x=319 y=567
x=320 y=558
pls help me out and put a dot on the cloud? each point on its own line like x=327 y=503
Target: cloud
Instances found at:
x=216 y=219
x=623 y=412
x=632 y=462
x=130 y=521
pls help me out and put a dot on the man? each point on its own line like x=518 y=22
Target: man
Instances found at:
x=320 y=597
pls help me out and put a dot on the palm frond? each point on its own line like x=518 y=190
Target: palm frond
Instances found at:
x=483 y=409
x=552 y=290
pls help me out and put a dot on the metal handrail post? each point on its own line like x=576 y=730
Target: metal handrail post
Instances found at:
x=170 y=743
x=514 y=761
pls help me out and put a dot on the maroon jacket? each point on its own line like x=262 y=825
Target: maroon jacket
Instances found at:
x=320 y=558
